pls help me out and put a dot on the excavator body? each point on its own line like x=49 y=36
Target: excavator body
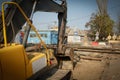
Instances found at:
x=15 y=62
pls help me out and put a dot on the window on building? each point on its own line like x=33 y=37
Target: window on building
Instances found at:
x=33 y=35
x=44 y=35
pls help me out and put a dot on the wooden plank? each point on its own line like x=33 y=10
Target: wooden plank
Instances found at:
x=93 y=47
x=100 y=51
x=90 y=58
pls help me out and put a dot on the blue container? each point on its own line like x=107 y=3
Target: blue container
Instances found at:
x=48 y=36
x=54 y=37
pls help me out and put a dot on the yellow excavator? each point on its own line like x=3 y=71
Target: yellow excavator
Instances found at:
x=15 y=62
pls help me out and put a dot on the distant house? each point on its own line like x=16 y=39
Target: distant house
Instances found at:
x=75 y=36
x=48 y=36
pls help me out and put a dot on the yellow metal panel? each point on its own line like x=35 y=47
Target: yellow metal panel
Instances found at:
x=37 y=56
x=38 y=62
x=0 y=72
x=13 y=63
x=29 y=70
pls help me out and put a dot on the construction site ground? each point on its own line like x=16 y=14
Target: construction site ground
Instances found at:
x=93 y=66
x=106 y=69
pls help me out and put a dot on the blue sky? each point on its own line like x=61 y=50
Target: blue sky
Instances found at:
x=114 y=8
x=79 y=12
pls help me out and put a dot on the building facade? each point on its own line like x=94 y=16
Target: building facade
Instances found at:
x=48 y=36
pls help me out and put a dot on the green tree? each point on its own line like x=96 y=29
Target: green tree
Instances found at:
x=100 y=23
x=118 y=25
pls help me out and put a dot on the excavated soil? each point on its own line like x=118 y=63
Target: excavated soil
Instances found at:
x=107 y=68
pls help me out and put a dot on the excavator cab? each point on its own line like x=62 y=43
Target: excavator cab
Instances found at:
x=15 y=62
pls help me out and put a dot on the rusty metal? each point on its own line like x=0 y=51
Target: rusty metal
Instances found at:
x=62 y=17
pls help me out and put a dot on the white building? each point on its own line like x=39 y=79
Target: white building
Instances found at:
x=75 y=36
